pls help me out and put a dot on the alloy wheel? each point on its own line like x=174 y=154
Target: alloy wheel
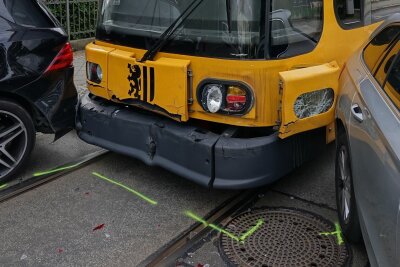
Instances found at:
x=344 y=185
x=13 y=142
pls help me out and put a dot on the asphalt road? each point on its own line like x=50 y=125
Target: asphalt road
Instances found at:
x=53 y=225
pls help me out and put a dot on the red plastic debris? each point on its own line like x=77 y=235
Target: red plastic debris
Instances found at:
x=60 y=250
x=99 y=227
x=200 y=265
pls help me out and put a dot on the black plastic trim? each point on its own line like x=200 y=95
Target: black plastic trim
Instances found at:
x=204 y=157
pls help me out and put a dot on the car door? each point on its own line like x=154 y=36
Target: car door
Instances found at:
x=375 y=149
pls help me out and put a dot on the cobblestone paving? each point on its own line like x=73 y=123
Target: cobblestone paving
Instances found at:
x=80 y=75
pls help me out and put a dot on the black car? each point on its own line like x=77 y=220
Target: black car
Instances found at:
x=37 y=93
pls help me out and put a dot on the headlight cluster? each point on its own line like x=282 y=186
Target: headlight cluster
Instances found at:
x=94 y=73
x=232 y=98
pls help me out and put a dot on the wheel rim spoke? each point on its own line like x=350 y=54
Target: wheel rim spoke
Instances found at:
x=344 y=186
x=5 y=164
x=346 y=210
x=343 y=165
x=8 y=155
x=13 y=142
x=10 y=130
x=12 y=137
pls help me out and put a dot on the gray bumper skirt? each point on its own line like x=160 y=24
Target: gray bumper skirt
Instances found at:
x=199 y=155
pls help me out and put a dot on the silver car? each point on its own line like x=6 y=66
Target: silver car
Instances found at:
x=368 y=146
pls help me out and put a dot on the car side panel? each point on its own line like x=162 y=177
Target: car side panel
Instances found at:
x=376 y=167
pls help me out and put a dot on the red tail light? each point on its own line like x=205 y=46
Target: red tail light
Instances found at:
x=231 y=99
x=63 y=60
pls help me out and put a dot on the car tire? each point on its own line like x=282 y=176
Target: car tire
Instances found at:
x=347 y=211
x=17 y=138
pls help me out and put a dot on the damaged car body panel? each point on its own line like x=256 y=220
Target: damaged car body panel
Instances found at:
x=25 y=55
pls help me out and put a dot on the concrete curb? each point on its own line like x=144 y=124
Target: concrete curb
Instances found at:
x=78 y=45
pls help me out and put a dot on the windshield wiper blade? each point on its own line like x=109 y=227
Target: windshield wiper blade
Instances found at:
x=152 y=52
x=228 y=15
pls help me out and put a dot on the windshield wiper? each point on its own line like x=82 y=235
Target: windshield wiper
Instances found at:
x=152 y=52
x=228 y=15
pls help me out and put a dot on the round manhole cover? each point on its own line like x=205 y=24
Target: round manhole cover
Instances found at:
x=287 y=237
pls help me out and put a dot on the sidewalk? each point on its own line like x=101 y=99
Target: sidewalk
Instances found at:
x=80 y=69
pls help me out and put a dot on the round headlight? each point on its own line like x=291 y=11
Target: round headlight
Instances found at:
x=213 y=98
x=99 y=73
x=94 y=72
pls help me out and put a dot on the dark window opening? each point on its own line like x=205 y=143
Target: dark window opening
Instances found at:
x=380 y=45
x=349 y=12
x=296 y=27
x=394 y=77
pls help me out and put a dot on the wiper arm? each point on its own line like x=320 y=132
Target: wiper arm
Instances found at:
x=152 y=52
x=228 y=15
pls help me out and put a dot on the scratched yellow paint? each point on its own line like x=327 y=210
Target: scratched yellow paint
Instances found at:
x=301 y=81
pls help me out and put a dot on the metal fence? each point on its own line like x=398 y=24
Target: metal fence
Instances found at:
x=78 y=17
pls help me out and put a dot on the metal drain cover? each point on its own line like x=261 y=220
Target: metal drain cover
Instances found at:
x=288 y=237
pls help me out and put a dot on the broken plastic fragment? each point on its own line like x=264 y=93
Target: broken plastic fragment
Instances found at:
x=99 y=227
x=23 y=257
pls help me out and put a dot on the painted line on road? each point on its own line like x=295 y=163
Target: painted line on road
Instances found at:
x=140 y=195
x=260 y=222
x=338 y=234
x=3 y=186
x=56 y=170
x=241 y=239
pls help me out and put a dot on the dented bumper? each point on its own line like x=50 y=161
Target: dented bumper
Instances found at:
x=199 y=155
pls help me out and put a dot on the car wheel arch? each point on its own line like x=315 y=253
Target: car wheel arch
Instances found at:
x=18 y=99
x=29 y=107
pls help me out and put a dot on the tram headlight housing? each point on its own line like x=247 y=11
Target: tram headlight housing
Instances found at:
x=212 y=98
x=225 y=97
x=94 y=72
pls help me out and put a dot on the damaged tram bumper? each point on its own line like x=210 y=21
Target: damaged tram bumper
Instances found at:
x=204 y=157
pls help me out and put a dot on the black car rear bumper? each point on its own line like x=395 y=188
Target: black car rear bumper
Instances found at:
x=202 y=156
x=55 y=101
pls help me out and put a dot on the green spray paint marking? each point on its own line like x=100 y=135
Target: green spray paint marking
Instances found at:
x=3 y=186
x=149 y=200
x=260 y=222
x=338 y=234
x=219 y=229
x=56 y=170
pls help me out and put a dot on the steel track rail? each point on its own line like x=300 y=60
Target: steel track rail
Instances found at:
x=167 y=255
x=25 y=185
